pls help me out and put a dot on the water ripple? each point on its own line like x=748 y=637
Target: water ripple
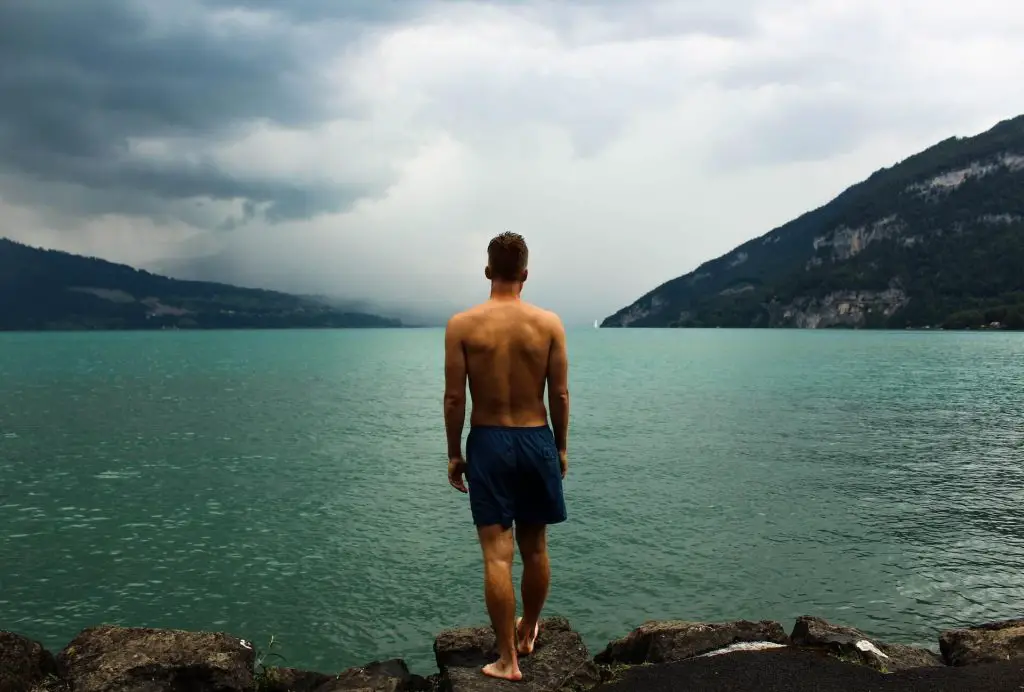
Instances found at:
x=292 y=484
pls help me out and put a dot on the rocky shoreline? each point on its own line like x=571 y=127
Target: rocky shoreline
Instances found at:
x=656 y=655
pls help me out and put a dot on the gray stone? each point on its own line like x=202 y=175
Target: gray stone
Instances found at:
x=291 y=680
x=559 y=660
x=117 y=659
x=380 y=676
x=25 y=664
x=677 y=640
x=987 y=643
x=854 y=645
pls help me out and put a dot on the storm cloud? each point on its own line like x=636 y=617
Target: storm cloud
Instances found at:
x=118 y=96
x=368 y=148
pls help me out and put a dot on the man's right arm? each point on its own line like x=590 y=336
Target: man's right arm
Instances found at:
x=558 y=386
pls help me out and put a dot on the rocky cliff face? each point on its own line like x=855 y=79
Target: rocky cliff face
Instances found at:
x=936 y=240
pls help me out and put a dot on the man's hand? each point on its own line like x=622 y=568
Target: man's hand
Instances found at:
x=563 y=461
x=456 y=471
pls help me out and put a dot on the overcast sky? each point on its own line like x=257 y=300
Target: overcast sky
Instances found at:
x=370 y=148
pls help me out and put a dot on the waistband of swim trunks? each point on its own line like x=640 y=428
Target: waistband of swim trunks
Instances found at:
x=510 y=428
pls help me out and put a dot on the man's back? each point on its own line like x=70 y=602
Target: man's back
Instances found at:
x=508 y=348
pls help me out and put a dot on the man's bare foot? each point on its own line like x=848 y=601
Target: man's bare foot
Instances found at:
x=525 y=644
x=503 y=670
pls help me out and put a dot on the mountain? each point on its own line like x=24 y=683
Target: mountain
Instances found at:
x=411 y=310
x=936 y=240
x=407 y=312
x=47 y=289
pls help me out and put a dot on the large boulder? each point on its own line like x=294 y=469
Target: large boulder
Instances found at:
x=117 y=659
x=25 y=664
x=853 y=645
x=559 y=660
x=678 y=640
x=987 y=643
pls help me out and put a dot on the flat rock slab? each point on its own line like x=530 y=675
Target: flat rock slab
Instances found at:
x=678 y=640
x=855 y=645
x=24 y=664
x=795 y=670
x=559 y=659
x=118 y=659
x=988 y=643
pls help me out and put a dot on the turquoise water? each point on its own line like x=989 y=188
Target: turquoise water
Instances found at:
x=293 y=484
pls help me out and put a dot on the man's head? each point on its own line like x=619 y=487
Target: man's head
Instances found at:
x=507 y=257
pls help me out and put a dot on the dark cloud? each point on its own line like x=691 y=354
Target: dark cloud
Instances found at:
x=368 y=11
x=81 y=78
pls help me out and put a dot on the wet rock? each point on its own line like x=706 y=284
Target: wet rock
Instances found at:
x=853 y=645
x=559 y=660
x=677 y=640
x=987 y=643
x=117 y=659
x=24 y=664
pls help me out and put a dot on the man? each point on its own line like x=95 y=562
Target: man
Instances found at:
x=514 y=463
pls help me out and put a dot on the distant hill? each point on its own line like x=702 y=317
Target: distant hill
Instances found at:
x=47 y=289
x=411 y=311
x=934 y=241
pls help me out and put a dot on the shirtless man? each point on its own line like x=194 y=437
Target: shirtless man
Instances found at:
x=514 y=463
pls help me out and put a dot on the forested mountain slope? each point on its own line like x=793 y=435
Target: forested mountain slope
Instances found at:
x=936 y=240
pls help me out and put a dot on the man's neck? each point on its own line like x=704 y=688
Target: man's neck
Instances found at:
x=505 y=290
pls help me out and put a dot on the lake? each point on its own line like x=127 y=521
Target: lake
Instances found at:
x=293 y=484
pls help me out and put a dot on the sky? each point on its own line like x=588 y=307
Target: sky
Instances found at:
x=369 y=149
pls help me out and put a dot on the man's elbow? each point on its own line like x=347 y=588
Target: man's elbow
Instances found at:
x=560 y=394
x=454 y=400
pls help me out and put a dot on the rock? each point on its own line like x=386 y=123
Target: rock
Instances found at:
x=678 y=640
x=379 y=676
x=24 y=664
x=902 y=657
x=987 y=643
x=853 y=645
x=290 y=680
x=559 y=660
x=116 y=659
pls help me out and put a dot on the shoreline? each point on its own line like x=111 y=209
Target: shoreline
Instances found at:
x=658 y=654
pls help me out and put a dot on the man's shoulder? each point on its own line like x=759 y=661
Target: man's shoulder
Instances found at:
x=549 y=317
x=462 y=321
x=456 y=323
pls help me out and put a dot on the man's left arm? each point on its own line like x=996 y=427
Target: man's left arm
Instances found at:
x=454 y=388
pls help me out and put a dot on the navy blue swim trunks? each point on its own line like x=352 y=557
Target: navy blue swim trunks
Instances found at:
x=514 y=476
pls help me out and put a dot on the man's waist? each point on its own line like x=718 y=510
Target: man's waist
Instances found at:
x=509 y=428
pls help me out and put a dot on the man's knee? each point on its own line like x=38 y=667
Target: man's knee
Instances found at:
x=496 y=542
x=533 y=545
